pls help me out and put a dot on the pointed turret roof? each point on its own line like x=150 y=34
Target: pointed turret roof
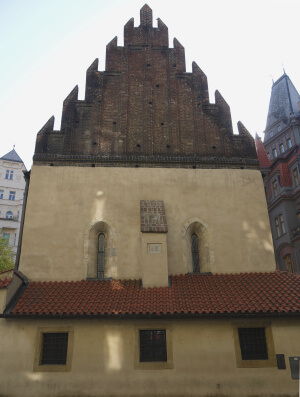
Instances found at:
x=264 y=161
x=12 y=156
x=284 y=100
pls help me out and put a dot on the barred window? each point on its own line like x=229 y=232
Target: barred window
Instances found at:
x=54 y=348
x=253 y=343
x=101 y=256
x=153 y=347
x=195 y=254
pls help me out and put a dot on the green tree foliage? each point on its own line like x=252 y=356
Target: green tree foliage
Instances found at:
x=6 y=255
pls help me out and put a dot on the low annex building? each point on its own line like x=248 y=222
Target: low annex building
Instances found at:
x=147 y=266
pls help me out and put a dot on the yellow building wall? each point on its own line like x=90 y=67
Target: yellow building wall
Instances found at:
x=154 y=266
x=65 y=202
x=103 y=360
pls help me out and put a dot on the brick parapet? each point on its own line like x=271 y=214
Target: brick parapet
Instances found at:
x=146 y=161
x=145 y=104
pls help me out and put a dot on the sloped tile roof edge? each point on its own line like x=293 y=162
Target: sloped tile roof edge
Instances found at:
x=4 y=283
x=243 y=294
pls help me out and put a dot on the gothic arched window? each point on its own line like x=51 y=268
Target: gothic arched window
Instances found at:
x=101 y=256
x=195 y=253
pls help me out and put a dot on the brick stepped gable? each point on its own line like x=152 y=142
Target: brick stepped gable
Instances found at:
x=144 y=109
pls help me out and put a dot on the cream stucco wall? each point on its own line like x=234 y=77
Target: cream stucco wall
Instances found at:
x=103 y=360
x=65 y=202
x=154 y=264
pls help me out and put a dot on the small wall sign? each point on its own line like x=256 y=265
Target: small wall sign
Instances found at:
x=154 y=248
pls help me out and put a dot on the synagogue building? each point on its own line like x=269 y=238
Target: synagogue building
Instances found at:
x=147 y=266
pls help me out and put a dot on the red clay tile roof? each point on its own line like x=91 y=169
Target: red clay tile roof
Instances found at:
x=285 y=174
x=4 y=283
x=276 y=292
x=264 y=161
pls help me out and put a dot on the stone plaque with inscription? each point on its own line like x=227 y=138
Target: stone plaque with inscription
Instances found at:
x=154 y=248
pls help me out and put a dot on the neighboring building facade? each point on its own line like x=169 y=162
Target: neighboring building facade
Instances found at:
x=279 y=158
x=12 y=187
x=147 y=248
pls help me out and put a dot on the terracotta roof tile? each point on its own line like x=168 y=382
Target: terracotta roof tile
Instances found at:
x=4 y=283
x=188 y=294
x=264 y=161
x=285 y=174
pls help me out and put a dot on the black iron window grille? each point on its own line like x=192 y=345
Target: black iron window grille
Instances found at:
x=54 y=348
x=195 y=254
x=253 y=343
x=153 y=346
x=101 y=256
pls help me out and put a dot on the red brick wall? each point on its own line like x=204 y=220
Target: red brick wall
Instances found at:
x=145 y=104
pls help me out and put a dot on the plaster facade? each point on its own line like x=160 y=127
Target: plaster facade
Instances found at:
x=230 y=203
x=203 y=360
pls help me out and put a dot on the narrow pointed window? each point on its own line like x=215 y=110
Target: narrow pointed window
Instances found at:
x=195 y=254
x=101 y=256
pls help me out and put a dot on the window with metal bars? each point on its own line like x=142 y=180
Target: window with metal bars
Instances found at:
x=54 y=348
x=101 y=256
x=195 y=253
x=153 y=347
x=253 y=343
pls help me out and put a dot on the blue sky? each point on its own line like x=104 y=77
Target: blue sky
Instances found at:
x=46 y=47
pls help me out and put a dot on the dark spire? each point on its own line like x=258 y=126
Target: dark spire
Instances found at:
x=284 y=100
